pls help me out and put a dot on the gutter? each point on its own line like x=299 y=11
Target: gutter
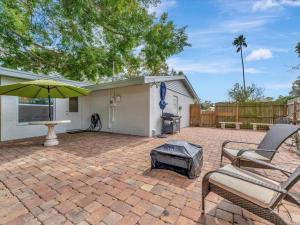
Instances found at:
x=34 y=76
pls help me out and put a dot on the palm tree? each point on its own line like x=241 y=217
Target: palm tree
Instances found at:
x=298 y=49
x=239 y=43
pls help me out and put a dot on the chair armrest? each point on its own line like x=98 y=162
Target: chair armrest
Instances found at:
x=238 y=142
x=267 y=165
x=256 y=150
x=252 y=181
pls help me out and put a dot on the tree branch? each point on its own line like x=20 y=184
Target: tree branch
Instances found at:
x=36 y=44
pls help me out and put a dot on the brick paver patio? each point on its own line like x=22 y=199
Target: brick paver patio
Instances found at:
x=101 y=178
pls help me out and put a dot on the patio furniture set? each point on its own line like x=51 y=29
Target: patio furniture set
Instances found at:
x=256 y=193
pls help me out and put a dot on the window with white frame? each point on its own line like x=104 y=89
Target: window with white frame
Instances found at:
x=34 y=109
x=73 y=104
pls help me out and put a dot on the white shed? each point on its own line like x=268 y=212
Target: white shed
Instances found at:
x=126 y=106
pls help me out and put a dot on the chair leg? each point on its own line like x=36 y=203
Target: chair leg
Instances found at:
x=221 y=161
x=203 y=204
x=205 y=189
x=238 y=162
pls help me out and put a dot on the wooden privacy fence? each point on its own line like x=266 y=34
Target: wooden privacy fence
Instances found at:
x=294 y=110
x=256 y=112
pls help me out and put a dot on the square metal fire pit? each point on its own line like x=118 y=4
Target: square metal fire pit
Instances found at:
x=179 y=156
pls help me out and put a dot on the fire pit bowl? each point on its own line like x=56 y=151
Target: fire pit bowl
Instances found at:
x=179 y=156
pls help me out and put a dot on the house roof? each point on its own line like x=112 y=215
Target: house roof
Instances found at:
x=113 y=84
x=33 y=76
x=145 y=80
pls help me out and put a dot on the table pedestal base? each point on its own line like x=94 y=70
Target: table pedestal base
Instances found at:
x=51 y=138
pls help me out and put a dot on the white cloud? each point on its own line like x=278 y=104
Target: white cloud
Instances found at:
x=252 y=70
x=259 y=54
x=278 y=86
x=263 y=5
x=294 y=3
x=236 y=6
x=278 y=49
x=217 y=67
x=162 y=7
x=233 y=26
x=236 y=26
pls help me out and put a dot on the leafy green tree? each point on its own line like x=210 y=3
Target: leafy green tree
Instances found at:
x=283 y=99
x=297 y=50
x=250 y=93
x=84 y=39
x=239 y=43
x=295 y=92
x=205 y=105
x=268 y=99
x=176 y=73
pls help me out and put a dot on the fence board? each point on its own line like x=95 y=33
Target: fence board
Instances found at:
x=257 y=112
x=208 y=119
x=195 y=112
x=294 y=110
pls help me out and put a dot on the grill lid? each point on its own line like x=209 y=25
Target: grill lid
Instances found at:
x=179 y=148
x=169 y=115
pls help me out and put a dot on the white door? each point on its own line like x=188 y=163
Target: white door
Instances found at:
x=175 y=104
x=74 y=113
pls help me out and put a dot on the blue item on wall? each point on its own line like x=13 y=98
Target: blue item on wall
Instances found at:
x=163 y=91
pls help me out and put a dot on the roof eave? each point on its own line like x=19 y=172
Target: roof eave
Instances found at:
x=196 y=97
x=144 y=80
x=33 y=76
x=117 y=84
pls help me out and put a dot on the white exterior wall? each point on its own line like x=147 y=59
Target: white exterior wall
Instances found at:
x=184 y=100
x=12 y=129
x=137 y=113
x=131 y=115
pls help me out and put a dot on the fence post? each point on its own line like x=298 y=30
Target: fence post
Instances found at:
x=216 y=115
x=273 y=116
x=237 y=113
x=200 y=117
x=295 y=113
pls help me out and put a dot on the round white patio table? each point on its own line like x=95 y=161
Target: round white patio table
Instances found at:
x=51 y=138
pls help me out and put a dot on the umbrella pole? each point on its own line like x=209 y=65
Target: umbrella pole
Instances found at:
x=49 y=102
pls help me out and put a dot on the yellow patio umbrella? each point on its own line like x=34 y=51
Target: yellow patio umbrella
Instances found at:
x=43 y=89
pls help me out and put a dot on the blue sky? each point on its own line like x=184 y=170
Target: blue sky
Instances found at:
x=272 y=30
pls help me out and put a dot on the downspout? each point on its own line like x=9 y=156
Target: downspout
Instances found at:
x=109 y=110
x=112 y=107
x=0 y=111
x=149 y=113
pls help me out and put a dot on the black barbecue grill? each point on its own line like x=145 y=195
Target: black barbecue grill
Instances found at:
x=170 y=123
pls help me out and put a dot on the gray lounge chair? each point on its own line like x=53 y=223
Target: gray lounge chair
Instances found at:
x=253 y=192
x=265 y=150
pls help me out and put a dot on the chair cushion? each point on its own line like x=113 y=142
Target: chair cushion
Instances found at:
x=259 y=195
x=251 y=154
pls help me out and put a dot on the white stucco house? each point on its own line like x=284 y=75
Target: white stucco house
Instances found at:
x=125 y=106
